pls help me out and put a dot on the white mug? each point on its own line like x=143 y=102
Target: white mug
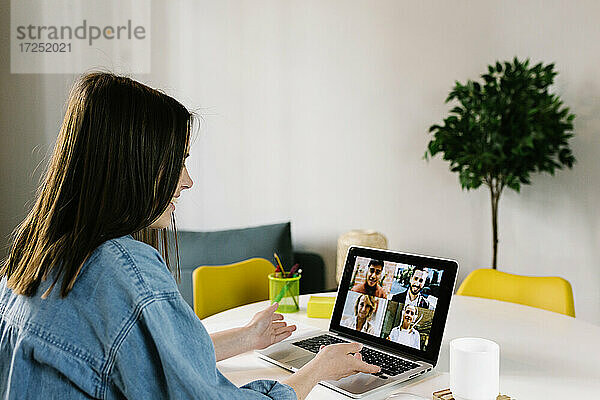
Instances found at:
x=474 y=369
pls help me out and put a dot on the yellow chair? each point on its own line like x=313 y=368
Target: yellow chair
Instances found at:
x=547 y=292
x=219 y=288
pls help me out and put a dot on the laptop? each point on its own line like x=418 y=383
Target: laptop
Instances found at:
x=395 y=304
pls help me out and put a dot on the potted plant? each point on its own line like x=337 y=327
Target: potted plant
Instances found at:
x=504 y=129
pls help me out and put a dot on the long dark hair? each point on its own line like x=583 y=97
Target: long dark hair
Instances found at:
x=114 y=170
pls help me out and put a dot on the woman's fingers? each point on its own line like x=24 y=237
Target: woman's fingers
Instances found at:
x=340 y=360
x=349 y=348
x=358 y=365
x=272 y=308
x=344 y=348
x=284 y=333
x=277 y=317
x=290 y=328
x=362 y=366
x=277 y=325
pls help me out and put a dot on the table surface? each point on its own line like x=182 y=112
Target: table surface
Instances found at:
x=543 y=355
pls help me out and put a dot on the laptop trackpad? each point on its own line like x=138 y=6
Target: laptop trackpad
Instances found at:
x=300 y=362
x=359 y=383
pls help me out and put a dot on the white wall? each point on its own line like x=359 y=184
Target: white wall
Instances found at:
x=317 y=112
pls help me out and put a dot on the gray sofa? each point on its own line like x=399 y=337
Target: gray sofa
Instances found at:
x=229 y=246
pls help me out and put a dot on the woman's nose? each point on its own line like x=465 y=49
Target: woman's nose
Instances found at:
x=186 y=180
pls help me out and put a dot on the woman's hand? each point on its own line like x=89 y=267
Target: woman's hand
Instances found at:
x=267 y=328
x=338 y=361
x=333 y=362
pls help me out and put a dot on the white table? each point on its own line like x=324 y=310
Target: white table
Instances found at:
x=543 y=355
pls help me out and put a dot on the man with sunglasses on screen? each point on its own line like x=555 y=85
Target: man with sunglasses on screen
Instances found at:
x=413 y=295
x=372 y=278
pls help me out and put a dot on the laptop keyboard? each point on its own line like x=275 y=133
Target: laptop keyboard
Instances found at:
x=313 y=344
x=390 y=365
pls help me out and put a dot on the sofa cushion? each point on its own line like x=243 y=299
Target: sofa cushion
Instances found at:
x=229 y=246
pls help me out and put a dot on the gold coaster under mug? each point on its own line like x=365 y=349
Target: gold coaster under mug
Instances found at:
x=446 y=394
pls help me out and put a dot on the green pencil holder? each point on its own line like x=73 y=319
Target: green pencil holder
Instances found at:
x=286 y=292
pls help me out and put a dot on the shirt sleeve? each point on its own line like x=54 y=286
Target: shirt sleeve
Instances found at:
x=394 y=334
x=168 y=354
x=416 y=339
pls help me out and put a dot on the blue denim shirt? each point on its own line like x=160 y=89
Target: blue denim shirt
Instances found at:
x=124 y=331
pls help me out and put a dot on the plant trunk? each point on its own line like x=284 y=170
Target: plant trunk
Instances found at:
x=495 y=198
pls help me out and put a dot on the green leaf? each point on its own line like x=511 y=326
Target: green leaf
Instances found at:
x=506 y=126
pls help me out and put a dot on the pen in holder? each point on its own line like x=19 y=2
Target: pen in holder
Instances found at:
x=284 y=291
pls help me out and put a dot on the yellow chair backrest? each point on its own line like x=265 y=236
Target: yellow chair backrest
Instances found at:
x=547 y=292
x=221 y=287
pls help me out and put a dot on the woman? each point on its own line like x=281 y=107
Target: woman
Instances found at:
x=88 y=311
x=364 y=308
x=405 y=333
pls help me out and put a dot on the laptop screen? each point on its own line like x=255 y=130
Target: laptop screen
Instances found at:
x=394 y=300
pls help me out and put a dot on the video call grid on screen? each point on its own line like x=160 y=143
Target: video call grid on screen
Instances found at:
x=378 y=293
